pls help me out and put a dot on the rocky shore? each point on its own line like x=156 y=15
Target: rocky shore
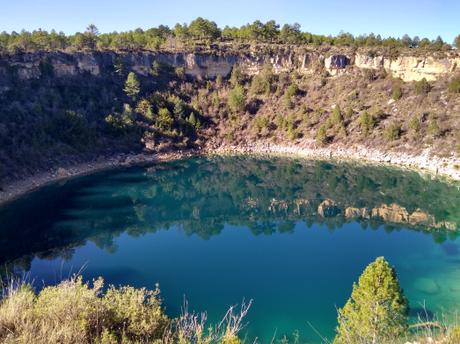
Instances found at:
x=446 y=167
x=434 y=166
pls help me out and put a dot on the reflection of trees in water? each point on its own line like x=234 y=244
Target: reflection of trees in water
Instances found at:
x=200 y=195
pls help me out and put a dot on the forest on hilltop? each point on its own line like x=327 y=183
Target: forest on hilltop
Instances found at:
x=203 y=31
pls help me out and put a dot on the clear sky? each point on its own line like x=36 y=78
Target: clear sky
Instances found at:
x=426 y=18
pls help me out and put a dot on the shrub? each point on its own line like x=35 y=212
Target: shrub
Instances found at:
x=454 y=85
x=261 y=122
x=237 y=77
x=261 y=83
x=291 y=129
x=237 y=99
x=422 y=87
x=321 y=135
x=414 y=124
x=193 y=120
x=180 y=72
x=75 y=312
x=396 y=92
x=292 y=90
x=219 y=80
x=349 y=112
x=337 y=119
x=433 y=126
x=215 y=100
x=281 y=122
x=392 y=131
x=454 y=335
x=377 y=309
x=135 y=312
x=366 y=122
x=155 y=69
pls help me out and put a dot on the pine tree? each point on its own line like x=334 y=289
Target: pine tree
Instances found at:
x=132 y=86
x=237 y=99
x=164 y=119
x=377 y=309
x=192 y=119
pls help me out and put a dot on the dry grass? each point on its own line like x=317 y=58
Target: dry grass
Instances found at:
x=77 y=312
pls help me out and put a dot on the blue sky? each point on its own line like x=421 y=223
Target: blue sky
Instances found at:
x=389 y=17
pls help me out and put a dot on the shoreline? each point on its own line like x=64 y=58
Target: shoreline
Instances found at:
x=433 y=166
x=447 y=168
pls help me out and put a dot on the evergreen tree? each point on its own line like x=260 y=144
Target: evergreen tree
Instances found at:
x=237 y=99
x=366 y=122
x=164 y=119
x=377 y=309
x=132 y=86
x=145 y=109
x=457 y=42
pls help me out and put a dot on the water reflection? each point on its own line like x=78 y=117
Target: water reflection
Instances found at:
x=201 y=195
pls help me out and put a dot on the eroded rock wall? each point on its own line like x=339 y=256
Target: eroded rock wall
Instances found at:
x=209 y=65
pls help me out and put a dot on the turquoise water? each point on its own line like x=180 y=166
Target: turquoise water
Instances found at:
x=291 y=234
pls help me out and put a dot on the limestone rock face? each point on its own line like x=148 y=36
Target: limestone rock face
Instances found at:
x=88 y=63
x=334 y=64
x=211 y=64
x=410 y=68
x=369 y=62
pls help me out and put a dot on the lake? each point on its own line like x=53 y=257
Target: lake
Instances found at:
x=290 y=234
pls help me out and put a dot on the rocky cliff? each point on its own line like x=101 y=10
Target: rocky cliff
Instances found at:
x=211 y=64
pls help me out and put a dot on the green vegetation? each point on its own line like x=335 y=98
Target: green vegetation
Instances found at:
x=164 y=120
x=422 y=86
x=415 y=125
x=366 y=123
x=336 y=119
x=132 y=86
x=198 y=31
x=454 y=85
x=48 y=121
x=377 y=309
x=237 y=76
x=237 y=99
x=457 y=42
x=321 y=136
x=433 y=126
x=291 y=91
x=76 y=312
x=396 y=92
x=392 y=131
x=261 y=83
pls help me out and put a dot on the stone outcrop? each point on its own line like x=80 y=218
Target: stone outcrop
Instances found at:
x=411 y=68
x=210 y=64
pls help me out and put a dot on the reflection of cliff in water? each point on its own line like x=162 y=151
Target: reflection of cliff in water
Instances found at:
x=201 y=195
